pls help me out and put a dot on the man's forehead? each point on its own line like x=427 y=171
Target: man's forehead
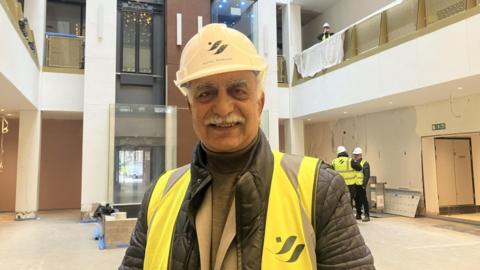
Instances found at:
x=226 y=78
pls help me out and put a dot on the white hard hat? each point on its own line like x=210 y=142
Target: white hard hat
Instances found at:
x=218 y=49
x=357 y=151
x=341 y=149
x=326 y=25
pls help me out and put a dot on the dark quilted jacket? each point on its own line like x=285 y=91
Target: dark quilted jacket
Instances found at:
x=339 y=244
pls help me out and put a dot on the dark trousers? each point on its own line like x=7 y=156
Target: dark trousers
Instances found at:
x=361 y=200
x=353 y=192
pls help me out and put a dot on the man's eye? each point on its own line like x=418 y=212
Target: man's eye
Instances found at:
x=240 y=93
x=204 y=95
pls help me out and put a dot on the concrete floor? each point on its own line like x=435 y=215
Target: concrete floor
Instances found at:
x=59 y=241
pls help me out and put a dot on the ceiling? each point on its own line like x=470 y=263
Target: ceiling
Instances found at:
x=416 y=97
x=11 y=99
x=315 y=5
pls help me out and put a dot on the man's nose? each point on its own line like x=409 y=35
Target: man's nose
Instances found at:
x=224 y=103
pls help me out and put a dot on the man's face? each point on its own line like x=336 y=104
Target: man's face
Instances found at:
x=226 y=110
x=357 y=156
x=326 y=29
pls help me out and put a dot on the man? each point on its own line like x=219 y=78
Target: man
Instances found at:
x=239 y=205
x=361 y=181
x=344 y=166
x=326 y=32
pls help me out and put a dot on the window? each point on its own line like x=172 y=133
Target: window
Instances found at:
x=237 y=14
x=137 y=36
x=66 y=17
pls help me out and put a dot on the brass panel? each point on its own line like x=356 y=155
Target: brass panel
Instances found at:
x=368 y=33
x=402 y=19
x=64 y=52
x=440 y=9
x=281 y=69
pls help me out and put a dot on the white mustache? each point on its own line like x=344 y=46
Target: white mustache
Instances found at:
x=232 y=118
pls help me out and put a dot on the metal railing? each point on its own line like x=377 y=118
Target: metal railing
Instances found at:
x=395 y=25
x=64 y=51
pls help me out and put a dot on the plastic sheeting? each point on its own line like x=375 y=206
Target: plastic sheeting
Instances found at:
x=320 y=56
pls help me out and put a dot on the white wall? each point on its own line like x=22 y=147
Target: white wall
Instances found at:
x=267 y=47
x=61 y=92
x=36 y=12
x=341 y=15
x=460 y=116
x=99 y=93
x=16 y=64
x=430 y=61
x=388 y=139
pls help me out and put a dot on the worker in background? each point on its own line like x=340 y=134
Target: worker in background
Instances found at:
x=362 y=169
x=240 y=205
x=326 y=32
x=343 y=164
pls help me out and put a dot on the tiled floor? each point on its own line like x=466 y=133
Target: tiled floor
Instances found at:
x=473 y=217
x=59 y=241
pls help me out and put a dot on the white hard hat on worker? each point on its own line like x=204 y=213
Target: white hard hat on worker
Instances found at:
x=218 y=49
x=357 y=151
x=222 y=76
x=341 y=149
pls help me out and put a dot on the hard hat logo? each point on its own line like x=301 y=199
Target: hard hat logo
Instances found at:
x=215 y=46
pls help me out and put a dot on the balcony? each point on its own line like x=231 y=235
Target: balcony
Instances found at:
x=381 y=31
x=64 y=53
x=64 y=37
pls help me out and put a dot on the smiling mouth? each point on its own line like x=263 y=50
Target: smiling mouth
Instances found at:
x=224 y=125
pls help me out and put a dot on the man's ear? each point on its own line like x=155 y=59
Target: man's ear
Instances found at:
x=261 y=102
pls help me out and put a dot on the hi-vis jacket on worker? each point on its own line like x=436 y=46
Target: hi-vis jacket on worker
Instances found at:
x=287 y=212
x=344 y=166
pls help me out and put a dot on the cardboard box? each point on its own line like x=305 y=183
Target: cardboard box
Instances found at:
x=117 y=232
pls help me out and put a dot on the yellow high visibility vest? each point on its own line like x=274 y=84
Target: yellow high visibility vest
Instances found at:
x=343 y=166
x=359 y=174
x=289 y=241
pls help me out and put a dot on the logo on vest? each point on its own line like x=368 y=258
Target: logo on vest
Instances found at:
x=287 y=247
x=216 y=46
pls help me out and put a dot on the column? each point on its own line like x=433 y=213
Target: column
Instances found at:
x=28 y=165
x=99 y=93
x=292 y=35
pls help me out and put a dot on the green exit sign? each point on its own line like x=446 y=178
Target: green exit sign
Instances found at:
x=439 y=126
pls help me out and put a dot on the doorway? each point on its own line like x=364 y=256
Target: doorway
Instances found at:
x=455 y=183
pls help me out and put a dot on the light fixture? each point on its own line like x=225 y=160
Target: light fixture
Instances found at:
x=220 y=6
x=243 y=3
x=345 y=112
x=309 y=119
x=9 y=114
x=390 y=102
x=459 y=88
x=2 y=110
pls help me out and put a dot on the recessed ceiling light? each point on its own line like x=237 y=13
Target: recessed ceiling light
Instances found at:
x=2 y=110
x=390 y=102
x=459 y=88
x=345 y=112
x=309 y=119
x=9 y=114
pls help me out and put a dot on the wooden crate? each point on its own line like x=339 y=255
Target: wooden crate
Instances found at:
x=117 y=232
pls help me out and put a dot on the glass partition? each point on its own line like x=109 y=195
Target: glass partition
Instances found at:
x=237 y=14
x=368 y=33
x=402 y=19
x=142 y=147
x=264 y=122
x=440 y=9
